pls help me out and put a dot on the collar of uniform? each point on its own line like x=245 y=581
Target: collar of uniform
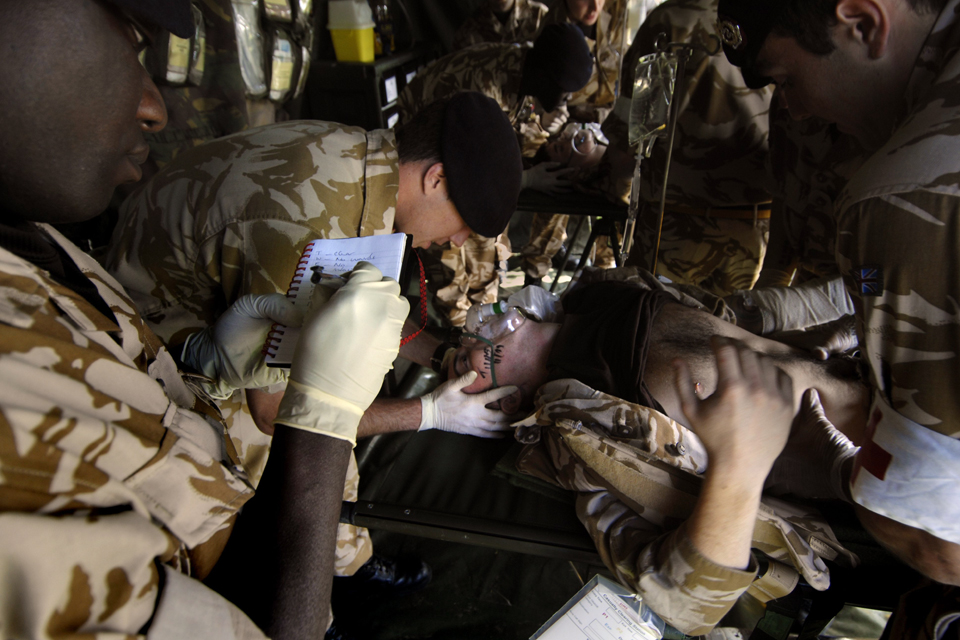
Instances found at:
x=943 y=41
x=19 y=302
x=381 y=180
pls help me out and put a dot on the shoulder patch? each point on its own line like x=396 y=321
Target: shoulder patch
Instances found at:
x=869 y=279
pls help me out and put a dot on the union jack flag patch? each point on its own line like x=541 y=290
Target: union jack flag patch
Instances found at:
x=869 y=280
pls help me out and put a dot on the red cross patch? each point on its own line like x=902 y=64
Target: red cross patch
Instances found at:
x=872 y=457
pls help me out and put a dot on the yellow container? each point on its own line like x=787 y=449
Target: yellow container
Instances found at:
x=353 y=45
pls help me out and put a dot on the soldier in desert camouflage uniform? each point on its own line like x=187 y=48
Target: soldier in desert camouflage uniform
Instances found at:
x=505 y=73
x=470 y=273
x=717 y=217
x=896 y=231
x=520 y=23
x=232 y=217
x=118 y=489
x=603 y=23
x=183 y=283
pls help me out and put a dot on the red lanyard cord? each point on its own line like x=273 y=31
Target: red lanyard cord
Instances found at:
x=423 y=303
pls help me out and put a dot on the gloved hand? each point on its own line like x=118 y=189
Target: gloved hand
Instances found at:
x=230 y=352
x=449 y=409
x=547 y=177
x=833 y=338
x=553 y=121
x=810 y=304
x=812 y=463
x=346 y=346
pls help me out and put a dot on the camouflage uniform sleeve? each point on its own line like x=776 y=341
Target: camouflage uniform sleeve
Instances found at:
x=230 y=217
x=72 y=576
x=69 y=576
x=681 y=585
x=895 y=252
x=109 y=464
x=257 y=256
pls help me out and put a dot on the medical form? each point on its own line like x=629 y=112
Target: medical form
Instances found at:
x=602 y=610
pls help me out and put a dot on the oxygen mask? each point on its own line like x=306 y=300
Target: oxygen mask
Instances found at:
x=487 y=325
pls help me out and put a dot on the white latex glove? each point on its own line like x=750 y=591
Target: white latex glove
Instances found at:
x=547 y=177
x=230 y=352
x=823 y=341
x=346 y=346
x=553 y=121
x=811 y=465
x=448 y=408
x=776 y=309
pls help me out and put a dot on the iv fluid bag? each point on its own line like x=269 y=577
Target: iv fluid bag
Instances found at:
x=653 y=84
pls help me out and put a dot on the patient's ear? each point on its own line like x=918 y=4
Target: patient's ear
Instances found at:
x=509 y=404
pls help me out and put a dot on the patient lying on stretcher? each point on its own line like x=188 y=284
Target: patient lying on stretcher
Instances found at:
x=622 y=340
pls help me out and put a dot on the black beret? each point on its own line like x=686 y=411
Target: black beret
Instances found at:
x=559 y=62
x=481 y=160
x=173 y=15
x=743 y=27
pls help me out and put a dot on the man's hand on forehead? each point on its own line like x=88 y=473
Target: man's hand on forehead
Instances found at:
x=450 y=409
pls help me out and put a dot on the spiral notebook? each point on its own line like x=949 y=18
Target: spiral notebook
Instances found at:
x=336 y=257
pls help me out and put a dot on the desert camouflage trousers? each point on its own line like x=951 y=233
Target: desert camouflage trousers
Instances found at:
x=354 y=546
x=463 y=276
x=718 y=254
x=547 y=235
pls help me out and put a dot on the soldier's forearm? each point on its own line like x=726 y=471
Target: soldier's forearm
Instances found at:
x=721 y=525
x=934 y=557
x=278 y=566
x=388 y=416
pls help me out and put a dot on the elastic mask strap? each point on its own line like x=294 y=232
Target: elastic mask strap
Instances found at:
x=489 y=343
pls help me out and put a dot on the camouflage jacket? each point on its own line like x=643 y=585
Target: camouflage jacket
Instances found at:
x=898 y=234
x=232 y=217
x=720 y=151
x=109 y=464
x=636 y=475
x=491 y=69
x=603 y=88
x=521 y=26
x=810 y=161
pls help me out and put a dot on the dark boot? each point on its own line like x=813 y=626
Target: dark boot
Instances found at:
x=382 y=576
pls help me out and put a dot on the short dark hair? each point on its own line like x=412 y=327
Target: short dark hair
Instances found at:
x=419 y=138
x=809 y=21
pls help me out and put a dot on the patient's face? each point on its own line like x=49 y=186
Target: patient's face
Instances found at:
x=480 y=360
x=505 y=357
x=575 y=150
